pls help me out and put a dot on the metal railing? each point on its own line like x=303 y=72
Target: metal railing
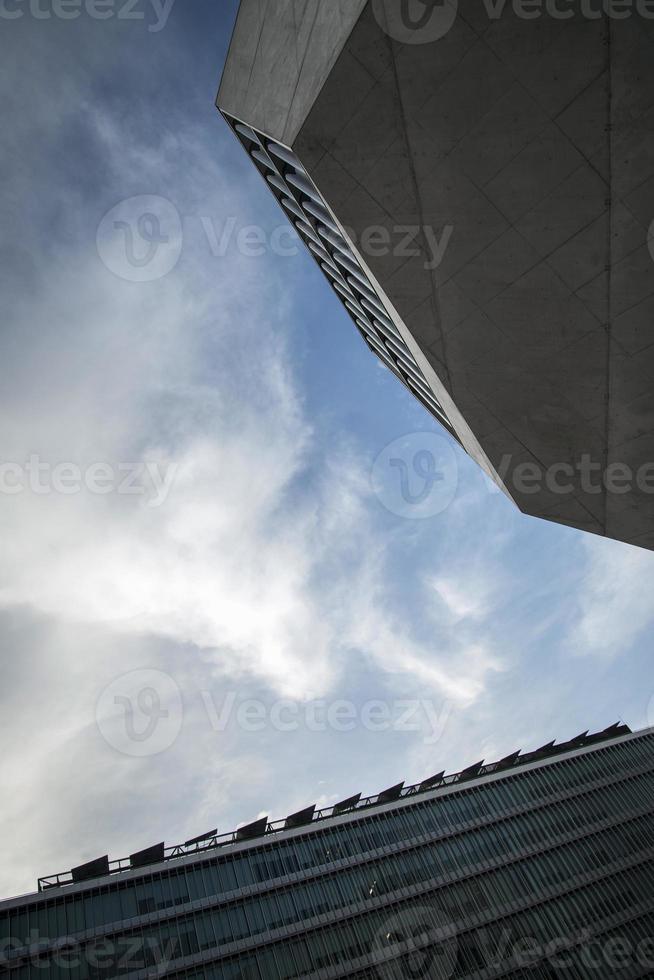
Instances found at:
x=264 y=828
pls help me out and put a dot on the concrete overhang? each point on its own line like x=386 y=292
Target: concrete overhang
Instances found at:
x=518 y=154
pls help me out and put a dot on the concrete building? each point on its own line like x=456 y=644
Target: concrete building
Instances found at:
x=481 y=174
x=536 y=867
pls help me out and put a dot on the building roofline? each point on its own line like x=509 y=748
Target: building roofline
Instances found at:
x=199 y=848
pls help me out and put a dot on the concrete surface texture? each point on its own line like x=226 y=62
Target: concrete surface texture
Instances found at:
x=524 y=149
x=281 y=53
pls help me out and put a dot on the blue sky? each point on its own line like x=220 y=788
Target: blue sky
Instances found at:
x=272 y=575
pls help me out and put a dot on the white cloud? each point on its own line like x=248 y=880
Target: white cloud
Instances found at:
x=228 y=563
x=615 y=602
x=456 y=668
x=466 y=597
x=264 y=565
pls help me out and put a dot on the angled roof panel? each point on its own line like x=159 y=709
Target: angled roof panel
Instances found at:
x=279 y=59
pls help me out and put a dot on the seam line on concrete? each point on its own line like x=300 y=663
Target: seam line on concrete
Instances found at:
x=609 y=258
x=256 y=50
x=416 y=190
x=301 y=66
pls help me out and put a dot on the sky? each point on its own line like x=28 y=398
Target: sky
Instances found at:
x=214 y=604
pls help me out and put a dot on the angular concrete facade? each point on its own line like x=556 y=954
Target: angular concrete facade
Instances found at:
x=523 y=147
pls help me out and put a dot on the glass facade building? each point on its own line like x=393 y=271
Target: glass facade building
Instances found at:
x=539 y=866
